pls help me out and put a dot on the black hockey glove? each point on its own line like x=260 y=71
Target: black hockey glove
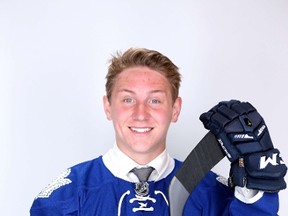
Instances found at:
x=244 y=136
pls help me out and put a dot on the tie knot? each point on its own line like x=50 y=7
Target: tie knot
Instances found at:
x=142 y=173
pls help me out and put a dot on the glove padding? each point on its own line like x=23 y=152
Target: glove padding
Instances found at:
x=244 y=136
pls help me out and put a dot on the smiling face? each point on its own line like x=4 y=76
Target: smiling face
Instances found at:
x=141 y=108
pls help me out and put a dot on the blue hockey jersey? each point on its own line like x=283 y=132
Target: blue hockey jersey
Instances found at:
x=90 y=189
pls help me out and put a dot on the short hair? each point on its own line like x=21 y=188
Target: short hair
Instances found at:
x=152 y=59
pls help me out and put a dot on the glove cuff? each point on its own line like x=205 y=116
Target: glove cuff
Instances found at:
x=261 y=171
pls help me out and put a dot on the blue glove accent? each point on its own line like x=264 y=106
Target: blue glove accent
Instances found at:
x=244 y=136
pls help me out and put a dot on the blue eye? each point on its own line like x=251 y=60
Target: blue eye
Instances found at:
x=154 y=101
x=128 y=100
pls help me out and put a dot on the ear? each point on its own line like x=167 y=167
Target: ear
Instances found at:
x=106 y=105
x=176 y=109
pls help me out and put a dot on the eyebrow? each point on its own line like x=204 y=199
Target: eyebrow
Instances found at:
x=132 y=92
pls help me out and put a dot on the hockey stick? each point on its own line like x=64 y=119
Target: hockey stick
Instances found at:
x=201 y=159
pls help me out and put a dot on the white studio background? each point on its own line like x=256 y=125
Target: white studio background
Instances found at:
x=53 y=61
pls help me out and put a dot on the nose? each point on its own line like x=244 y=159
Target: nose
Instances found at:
x=141 y=112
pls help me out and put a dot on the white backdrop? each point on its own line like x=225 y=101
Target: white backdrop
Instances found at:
x=53 y=61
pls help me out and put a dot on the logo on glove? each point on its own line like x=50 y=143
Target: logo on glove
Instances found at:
x=260 y=131
x=248 y=122
x=275 y=160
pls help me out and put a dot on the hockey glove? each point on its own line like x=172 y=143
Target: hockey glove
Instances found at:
x=244 y=136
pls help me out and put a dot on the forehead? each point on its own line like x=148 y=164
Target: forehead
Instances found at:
x=138 y=76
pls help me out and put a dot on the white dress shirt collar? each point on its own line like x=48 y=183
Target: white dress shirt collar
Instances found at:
x=120 y=165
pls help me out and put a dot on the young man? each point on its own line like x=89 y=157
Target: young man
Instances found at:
x=142 y=100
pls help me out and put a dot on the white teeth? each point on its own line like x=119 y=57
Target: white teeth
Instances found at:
x=141 y=130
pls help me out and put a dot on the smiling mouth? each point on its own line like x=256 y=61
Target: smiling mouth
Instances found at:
x=141 y=130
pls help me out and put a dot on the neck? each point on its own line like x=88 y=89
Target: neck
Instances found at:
x=143 y=158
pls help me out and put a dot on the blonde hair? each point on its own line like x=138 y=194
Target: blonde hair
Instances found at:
x=143 y=57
